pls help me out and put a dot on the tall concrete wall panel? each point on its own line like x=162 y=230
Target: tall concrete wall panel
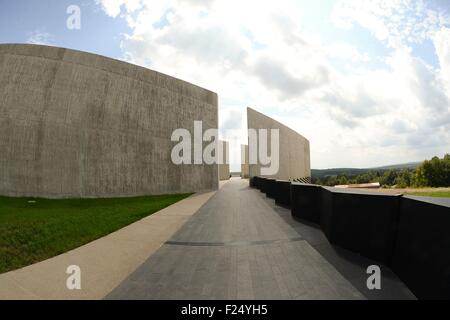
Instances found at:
x=244 y=161
x=294 y=154
x=74 y=124
x=224 y=163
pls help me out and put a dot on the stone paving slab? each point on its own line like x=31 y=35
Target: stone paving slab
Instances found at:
x=236 y=247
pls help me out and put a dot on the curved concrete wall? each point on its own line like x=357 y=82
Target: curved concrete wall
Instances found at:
x=294 y=156
x=74 y=124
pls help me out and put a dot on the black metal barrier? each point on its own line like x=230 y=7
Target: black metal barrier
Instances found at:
x=252 y=182
x=282 y=193
x=305 y=201
x=422 y=250
x=409 y=234
x=270 y=188
x=262 y=184
x=363 y=222
x=258 y=183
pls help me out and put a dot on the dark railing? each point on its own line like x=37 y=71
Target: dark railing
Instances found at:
x=411 y=235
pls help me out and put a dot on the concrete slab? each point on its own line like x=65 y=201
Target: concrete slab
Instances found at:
x=236 y=247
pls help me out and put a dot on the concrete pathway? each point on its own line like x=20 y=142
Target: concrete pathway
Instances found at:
x=105 y=262
x=230 y=244
x=237 y=246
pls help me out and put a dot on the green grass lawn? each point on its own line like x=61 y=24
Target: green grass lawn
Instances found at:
x=32 y=232
x=442 y=194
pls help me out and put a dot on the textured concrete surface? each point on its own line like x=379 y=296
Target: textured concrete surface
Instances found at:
x=104 y=262
x=237 y=246
x=244 y=161
x=74 y=124
x=294 y=155
x=224 y=165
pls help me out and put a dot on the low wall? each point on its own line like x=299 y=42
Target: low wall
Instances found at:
x=265 y=185
x=252 y=182
x=270 y=188
x=262 y=184
x=363 y=222
x=422 y=250
x=282 y=193
x=325 y=207
x=304 y=201
x=409 y=234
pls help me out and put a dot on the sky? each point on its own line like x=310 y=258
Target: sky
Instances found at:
x=366 y=82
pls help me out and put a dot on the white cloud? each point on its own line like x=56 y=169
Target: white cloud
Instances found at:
x=345 y=51
x=40 y=37
x=260 y=55
x=275 y=76
x=113 y=7
x=442 y=44
x=394 y=21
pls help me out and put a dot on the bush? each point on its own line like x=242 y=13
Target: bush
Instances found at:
x=434 y=172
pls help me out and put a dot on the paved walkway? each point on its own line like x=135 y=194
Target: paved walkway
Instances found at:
x=237 y=246
x=231 y=244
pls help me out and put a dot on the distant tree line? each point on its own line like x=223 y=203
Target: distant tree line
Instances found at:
x=431 y=173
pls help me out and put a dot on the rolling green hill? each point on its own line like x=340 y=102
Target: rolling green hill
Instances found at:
x=320 y=173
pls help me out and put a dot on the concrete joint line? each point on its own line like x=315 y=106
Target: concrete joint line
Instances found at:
x=232 y=243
